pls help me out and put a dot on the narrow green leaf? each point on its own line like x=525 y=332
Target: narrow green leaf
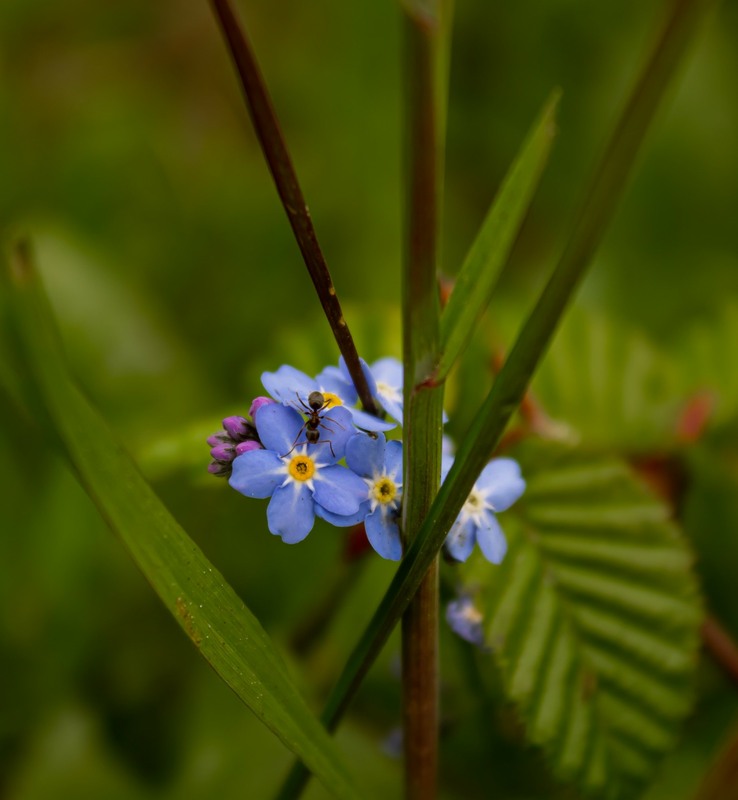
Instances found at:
x=224 y=631
x=597 y=646
x=491 y=248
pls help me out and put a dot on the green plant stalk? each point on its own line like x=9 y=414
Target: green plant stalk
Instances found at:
x=601 y=198
x=422 y=423
x=274 y=148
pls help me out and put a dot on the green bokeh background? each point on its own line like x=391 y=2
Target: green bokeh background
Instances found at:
x=126 y=153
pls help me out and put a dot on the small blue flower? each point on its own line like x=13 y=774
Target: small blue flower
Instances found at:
x=379 y=463
x=302 y=479
x=465 y=620
x=387 y=378
x=292 y=387
x=496 y=489
x=385 y=383
x=388 y=374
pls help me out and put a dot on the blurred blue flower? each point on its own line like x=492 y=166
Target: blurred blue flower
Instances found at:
x=388 y=374
x=303 y=480
x=465 y=619
x=496 y=489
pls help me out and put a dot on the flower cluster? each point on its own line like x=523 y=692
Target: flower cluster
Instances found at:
x=314 y=453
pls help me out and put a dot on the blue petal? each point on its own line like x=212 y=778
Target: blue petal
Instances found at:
x=491 y=539
x=290 y=513
x=362 y=419
x=287 y=384
x=339 y=490
x=339 y=519
x=365 y=454
x=278 y=427
x=460 y=540
x=337 y=428
x=383 y=534
x=447 y=461
x=501 y=483
x=257 y=473
x=393 y=460
x=369 y=422
x=389 y=371
x=365 y=369
x=465 y=620
x=332 y=379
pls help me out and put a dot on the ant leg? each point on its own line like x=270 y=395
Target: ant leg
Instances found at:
x=303 y=408
x=296 y=442
x=329 y=443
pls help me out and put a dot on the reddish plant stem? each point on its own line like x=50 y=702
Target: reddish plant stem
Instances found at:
x=721 y=646
x=423 y=401
x=269 y=133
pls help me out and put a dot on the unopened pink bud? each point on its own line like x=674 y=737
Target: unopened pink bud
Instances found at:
x=222 y=452
x=218 y=469
x=244 y=447
x=237 y=428
x=257 y=403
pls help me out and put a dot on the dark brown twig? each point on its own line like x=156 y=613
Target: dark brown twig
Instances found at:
x=274 y=148
x=721 y=647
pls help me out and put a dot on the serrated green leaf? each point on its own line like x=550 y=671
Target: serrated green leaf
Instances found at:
x=709 y=355
x=594 y=627
x=224 y=631
x=611 y=384
x=491 y=248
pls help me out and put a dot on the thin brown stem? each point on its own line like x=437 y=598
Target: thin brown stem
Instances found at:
x=721 y=646
x=420 y=689
x=269 y=133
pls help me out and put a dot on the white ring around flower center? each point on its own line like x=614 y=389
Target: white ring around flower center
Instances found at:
x=475 y=506
x=384 y=491
x=388 y=392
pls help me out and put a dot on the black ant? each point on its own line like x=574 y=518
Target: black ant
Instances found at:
x=315 y=404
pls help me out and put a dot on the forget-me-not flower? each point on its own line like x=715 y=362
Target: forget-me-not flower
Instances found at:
x=379 y=463
x=466 y=620
x=385 y=382
x=292 y=387
x=388 y=375
x=302 y=479
x=496 y=489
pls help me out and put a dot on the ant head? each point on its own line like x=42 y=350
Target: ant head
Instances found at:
x=316 y=401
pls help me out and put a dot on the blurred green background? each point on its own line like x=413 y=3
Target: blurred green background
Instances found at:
x=127 y=154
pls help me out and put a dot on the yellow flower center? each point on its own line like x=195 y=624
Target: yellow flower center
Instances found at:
x=331 y=400
x=301 y=468
x=384 y=490
x=474 y=502
x=472 y=614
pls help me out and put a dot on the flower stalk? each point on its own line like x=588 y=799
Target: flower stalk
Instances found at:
x=423 y=403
